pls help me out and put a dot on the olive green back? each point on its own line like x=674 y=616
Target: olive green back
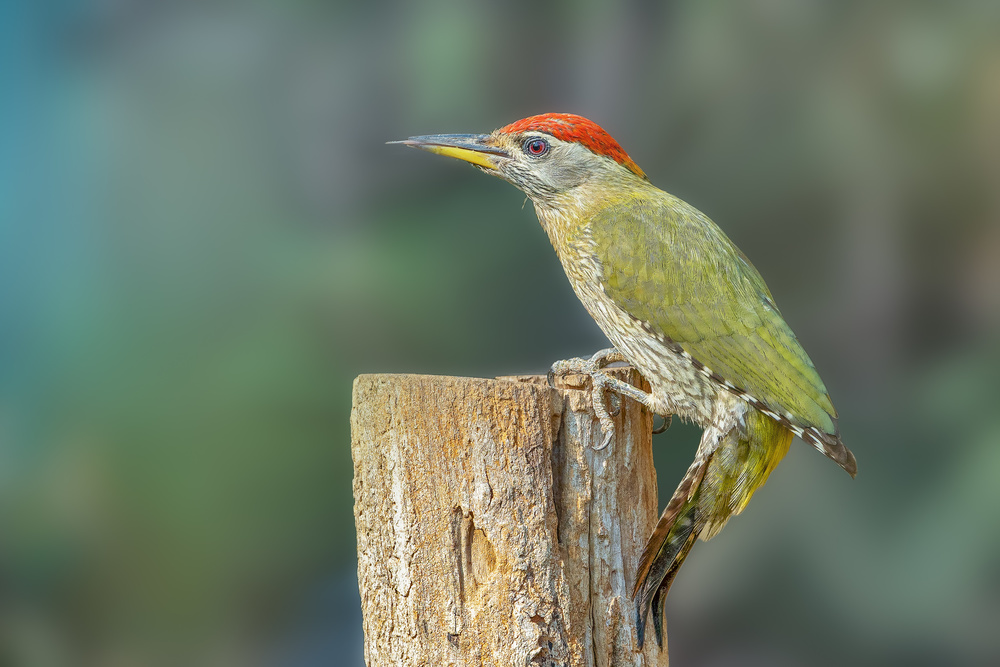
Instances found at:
x=666 y=264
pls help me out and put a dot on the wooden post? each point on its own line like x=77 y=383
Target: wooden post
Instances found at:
x=490 y=531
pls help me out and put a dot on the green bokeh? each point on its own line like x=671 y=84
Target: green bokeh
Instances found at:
x=204 y=239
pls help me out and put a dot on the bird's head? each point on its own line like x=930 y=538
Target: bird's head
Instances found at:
x=546 y=156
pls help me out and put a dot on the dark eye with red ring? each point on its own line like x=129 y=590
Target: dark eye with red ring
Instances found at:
x=536 y=147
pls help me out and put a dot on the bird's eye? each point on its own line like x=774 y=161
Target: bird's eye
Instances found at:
x=536 y=147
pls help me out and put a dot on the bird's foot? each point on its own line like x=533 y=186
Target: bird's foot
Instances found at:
x=601 y=382
x=664 y=426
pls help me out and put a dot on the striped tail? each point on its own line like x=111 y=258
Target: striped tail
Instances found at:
x=726 y=472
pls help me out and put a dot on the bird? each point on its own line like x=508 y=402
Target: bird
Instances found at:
x=680 y=303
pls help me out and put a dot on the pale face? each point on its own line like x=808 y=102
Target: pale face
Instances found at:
x=545 y=167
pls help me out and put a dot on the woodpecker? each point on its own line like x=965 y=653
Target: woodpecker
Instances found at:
x=682 y=304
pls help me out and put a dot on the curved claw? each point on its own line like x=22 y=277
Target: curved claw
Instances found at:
x=664 y=426
x=607 y=426
x=600 y=384
x=601 y=410
x=602 y=358
x=607 y=440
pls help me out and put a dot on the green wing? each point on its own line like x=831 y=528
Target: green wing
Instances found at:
x=671 y=267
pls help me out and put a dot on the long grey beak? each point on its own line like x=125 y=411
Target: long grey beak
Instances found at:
x=468 y=147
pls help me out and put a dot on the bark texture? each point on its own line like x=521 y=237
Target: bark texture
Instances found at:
x=490 y=532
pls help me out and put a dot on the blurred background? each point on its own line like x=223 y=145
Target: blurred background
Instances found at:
x=204 y=239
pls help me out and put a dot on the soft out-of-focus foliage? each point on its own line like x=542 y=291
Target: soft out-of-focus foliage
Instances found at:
x=203 y=239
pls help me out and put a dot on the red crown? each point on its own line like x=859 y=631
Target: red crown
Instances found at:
x=570 y=127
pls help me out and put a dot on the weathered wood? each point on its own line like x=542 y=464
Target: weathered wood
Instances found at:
x=490 y=532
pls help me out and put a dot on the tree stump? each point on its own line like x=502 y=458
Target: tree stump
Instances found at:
x=490 y=531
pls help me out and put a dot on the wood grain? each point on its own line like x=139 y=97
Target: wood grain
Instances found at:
x=490 y=532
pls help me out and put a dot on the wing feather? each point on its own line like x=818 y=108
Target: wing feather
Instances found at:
x=675 y=270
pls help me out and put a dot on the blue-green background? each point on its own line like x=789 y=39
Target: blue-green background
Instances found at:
x=204 y=239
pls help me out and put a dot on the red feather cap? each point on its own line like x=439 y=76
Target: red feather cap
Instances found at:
x=570 y=127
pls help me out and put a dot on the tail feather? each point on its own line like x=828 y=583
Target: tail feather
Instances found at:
x=666 y=550
x=680 y=503
x=832 y=446
x=645 y=603
x=726 y=472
